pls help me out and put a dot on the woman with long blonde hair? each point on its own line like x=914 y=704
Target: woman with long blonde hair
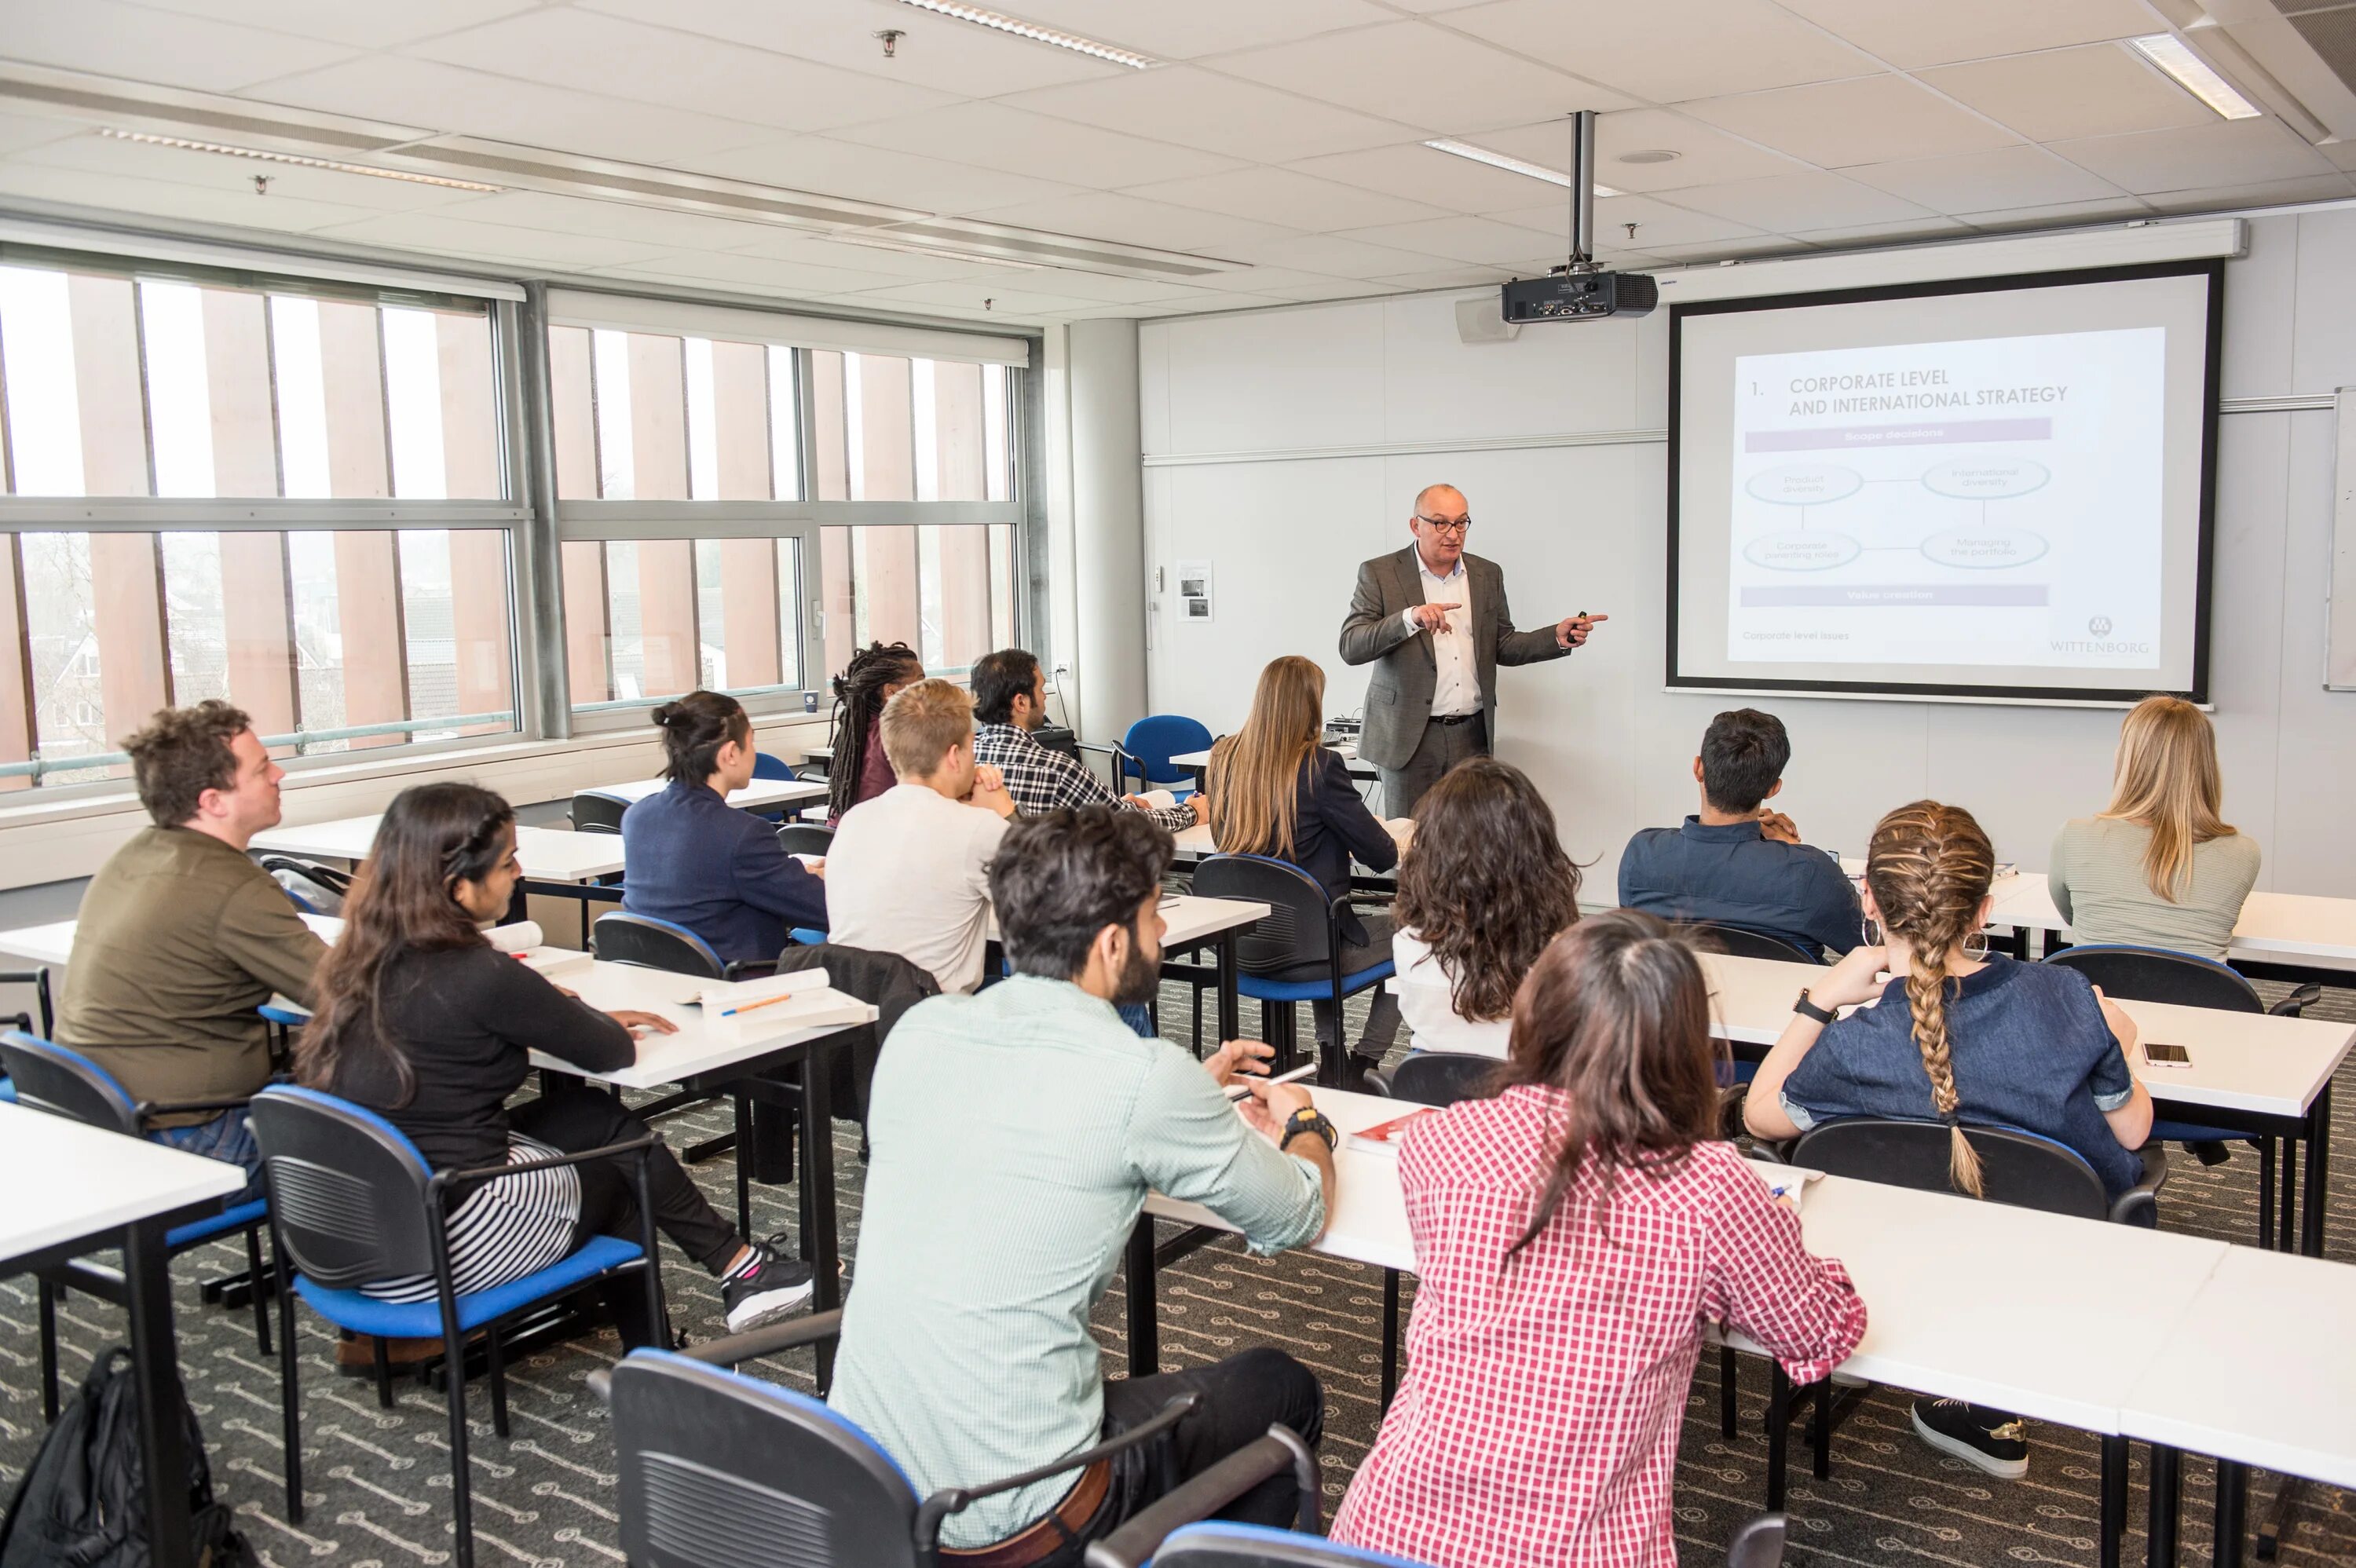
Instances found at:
x=1969 y=1038
x=1276 y=791
x=2160 y=866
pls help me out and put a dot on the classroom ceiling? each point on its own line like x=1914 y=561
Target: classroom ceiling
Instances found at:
x=1275 y=154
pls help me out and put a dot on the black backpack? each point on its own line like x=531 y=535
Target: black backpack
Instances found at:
x=84 y=1501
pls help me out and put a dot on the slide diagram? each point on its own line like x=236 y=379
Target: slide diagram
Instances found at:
x=1990 y=501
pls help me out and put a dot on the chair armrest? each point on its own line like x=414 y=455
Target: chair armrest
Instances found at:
x=749 y=969
x=146 y=1109
x=2140 y=1204
x=1135 y=1542
x=1122 y=763
x=444 y=1179
x=737 y=1348
x=2291 y=1007
x=957 y=1500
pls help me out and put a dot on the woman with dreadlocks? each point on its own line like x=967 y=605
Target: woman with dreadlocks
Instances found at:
x=1972 y=1039
x=860 y=770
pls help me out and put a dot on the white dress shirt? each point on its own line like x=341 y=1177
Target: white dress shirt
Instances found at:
x=1427 y=1005
x=1456 y=687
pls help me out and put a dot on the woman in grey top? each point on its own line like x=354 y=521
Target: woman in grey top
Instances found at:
x=2160 y=867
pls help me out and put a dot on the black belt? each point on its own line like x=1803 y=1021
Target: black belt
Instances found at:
x=1455 y=718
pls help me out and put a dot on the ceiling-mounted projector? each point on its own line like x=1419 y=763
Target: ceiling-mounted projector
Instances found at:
x=1578 y=289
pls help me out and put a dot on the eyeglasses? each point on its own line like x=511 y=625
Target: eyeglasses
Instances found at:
x=1447 y=525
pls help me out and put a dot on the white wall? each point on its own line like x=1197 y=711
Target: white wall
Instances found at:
x=1287 y=447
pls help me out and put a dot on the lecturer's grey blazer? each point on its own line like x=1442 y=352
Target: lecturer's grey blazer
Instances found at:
x=1398 y=694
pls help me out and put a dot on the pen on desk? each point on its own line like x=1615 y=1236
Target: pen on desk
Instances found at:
x=1241 y=1087
x=764 y=1002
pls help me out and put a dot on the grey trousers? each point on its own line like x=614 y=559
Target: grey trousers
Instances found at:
x=1442 y=747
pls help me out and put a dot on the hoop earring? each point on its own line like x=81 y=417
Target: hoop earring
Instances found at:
x=1980 y=952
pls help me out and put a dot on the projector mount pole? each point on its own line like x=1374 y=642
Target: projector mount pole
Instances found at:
x=1582 y=192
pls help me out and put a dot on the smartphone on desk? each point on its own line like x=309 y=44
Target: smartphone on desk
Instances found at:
x=2160 y=1053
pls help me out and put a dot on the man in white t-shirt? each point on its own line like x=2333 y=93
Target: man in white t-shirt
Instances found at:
x=909 y=872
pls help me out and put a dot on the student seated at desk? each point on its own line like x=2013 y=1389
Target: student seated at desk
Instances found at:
x=1737 y=863
x=908 y=872
x=2159 y=866
x=1967 y=1038
x=421 y=1020
x=1484 y=889
x=181 y=936
x=1573 y=1237
x=692 y=859
x=1276 y=791
x=860 y=770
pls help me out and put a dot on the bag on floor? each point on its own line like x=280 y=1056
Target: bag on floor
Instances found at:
x=83 y=1502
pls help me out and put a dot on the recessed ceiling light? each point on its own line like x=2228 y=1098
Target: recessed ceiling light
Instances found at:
x=1035 y=33
x=1652 y=156
x=269 y=158
x=2193 y=74
x=1500 y=161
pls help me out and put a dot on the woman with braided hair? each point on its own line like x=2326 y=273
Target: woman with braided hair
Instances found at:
x=860 y=771
x=1972 y=1038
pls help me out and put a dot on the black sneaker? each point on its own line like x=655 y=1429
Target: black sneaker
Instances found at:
x=766 y=1291
x=1987 y=1439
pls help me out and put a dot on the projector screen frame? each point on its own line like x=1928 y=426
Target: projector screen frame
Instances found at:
x=2210 y=268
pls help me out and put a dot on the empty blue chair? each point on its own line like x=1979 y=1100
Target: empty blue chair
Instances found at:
x=1150 y=744
x=1294 y=953
x=353 y=1202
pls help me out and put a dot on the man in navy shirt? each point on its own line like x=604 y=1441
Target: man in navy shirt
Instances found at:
x=1735 y=863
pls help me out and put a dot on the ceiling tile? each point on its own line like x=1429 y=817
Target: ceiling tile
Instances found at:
x=1918 y=35
x=2333 y=187
x=1438 y=81
x=993 y=136
x=613 y=219
x=1704 y=157
x=1191 y=107
x=154 y=46
x=961 y=296
x=562 y=47
x=1450 y=278
x=2064 y=215
x=936 y=52
x=431 y=231
x=833 y=167
x=234 y=176
x=2221 y=152
x=455 y=102
x=1325 y=253
x=1732 y=250
x=1865 y=120
x=363 y=24
x=1979 y=182
x=163 y=198
x=710 y=267
x=1436 y=179
x=1789 y=203
x=1658 y=222
x=1283 y=197
x=18 y=132
x=1124 y=219
x=1880 y=233
x=1199 y=27
x=1681 y=48
x=809 y=249
x=1483 y=239
x=1098 y=287
x=1334 y=289
x=2101 y=90
x=2341 y=154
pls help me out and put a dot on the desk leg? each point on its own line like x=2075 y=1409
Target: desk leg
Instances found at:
x=1231 y=1005
x=2166 y=1480
x=1779 y=1421
x=2318 y=1173
x=163 y=1449
x=818 y=1191
x=1144 y=1330
x=2232 y=1499
x=2287 y=1204
x=2114 y=1500
x=1390 y=1335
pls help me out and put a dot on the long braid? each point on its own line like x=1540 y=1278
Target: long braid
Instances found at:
x=858 y=703
x=1930 y=866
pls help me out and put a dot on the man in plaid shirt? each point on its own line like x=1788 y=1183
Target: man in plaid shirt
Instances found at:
x=1010 y=700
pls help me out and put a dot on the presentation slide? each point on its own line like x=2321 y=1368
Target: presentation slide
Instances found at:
x=1994 y=491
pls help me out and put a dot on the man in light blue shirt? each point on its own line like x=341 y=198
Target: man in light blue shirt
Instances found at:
x=1015 y=1133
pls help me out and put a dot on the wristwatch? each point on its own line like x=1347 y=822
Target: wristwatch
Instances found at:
x=1808 y=1009
x=1309 y=1120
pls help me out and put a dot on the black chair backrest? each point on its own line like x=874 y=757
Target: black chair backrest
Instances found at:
x=347 y=1189
x=652 y=943
x=1297 y=933
x=1444 y=1077
x=2015 y=1168
x=1757 y=1544
x=805 y=838
x=1218 y=1544
x=718 y=1469
x=66 y=1084
x=1736 y=943
x=2156 y=975
x=597 y=813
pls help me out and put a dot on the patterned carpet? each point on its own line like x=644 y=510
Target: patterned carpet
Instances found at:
x=378 y=1488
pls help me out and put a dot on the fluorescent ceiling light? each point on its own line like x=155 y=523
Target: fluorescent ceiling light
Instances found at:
x=2193 y=74
x=1035 y=33
x=269 y=158
x=1500 y=161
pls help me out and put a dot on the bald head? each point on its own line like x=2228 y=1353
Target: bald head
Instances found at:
x=1440 y=501
x=1440 y=547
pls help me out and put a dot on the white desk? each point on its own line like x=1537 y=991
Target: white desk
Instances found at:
x=758 y=795
x=1368 y=1223
x=53 y=944
x=1195 y=843
x=692 y=1055
x=548 y=854
x=1199 y=763
x=116 y=1191
x=2295 y=929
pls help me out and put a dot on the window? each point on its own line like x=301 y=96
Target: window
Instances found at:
x=184 y=466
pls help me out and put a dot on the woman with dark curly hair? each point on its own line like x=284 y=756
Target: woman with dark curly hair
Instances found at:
x=860 y=771
x=1484 y=887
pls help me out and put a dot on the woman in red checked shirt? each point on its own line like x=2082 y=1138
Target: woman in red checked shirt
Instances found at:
x=1573 y=1236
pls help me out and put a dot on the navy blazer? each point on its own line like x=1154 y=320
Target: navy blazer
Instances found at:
x=1331 y=824
x=692 y=859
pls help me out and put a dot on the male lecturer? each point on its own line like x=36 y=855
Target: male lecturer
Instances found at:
x=1433 y=623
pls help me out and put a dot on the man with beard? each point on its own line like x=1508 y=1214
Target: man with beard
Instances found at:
x=1016 y=1133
